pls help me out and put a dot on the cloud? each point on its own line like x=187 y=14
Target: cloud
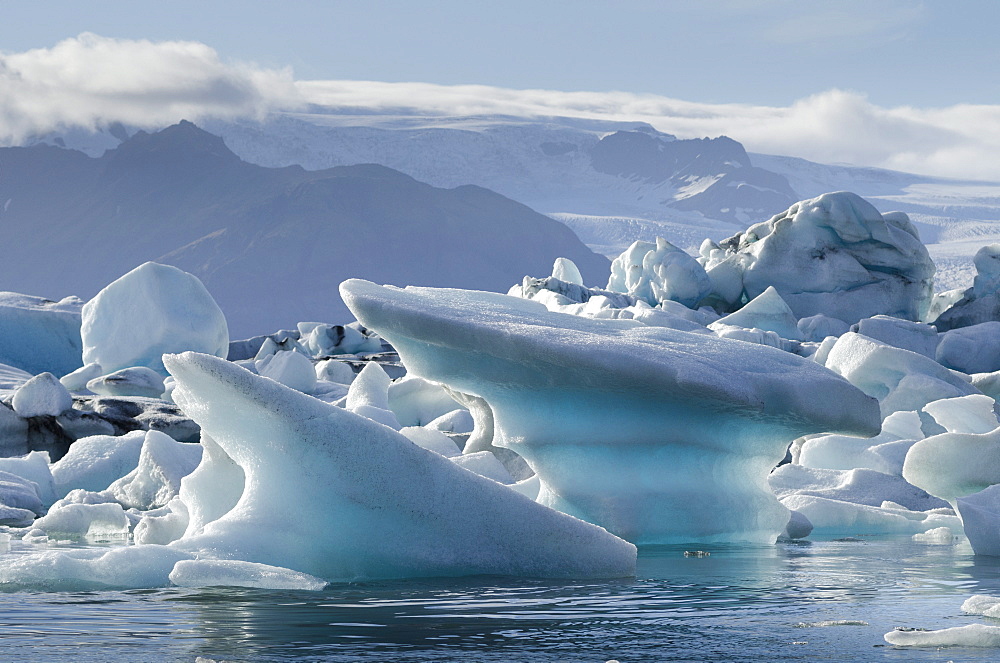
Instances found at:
x=89 y=81
x=835 y=126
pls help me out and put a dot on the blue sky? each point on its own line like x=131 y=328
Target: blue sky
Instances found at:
x=896 y=52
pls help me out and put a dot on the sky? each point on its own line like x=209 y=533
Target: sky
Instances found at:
x=892 y=83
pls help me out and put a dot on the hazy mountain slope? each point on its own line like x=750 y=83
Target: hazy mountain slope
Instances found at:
x=271 y=244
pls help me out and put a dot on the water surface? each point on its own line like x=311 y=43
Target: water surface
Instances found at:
x=739 y=604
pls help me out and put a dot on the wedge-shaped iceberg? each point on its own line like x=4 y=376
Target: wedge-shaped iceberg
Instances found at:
x=657 y=435
x=340 y=497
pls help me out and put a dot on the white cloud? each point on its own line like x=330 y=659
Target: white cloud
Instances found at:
x=835 y=126
x=90 y=80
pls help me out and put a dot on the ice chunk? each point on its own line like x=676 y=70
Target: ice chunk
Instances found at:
x=899 y=379
x=42 y=395
x=953 y=465
x=93 y=463
x=103 y=521
x=456 y=421
x=818 y=327
x=884 y=452
x=832 y=517
x=432 y=440
x=343 y=498
x=939 y=536
x=163 y=525
x=321 y=339
x=971 y=635
x=334 y=370
x=916 y=337
x=623 y=423
x=858 y=486
x=234 y=573
x=484 y=464
x=974 y=349
x=965 y=414
x=74 y=570
x=988 y=383
x=290 y=368
x=19 y=493
x=39 y=335
x=834 y=255
x=980 y=604
x=163 y=462
x=798 y=526
x=78 y=379
x=980 y=514
x=978 y=304
x=417 y=402
x=659 y=272
x=767 y=311
x=369 y=396
x=566 y=270
x=133 y=381
x=35 y=468
x=149 y=311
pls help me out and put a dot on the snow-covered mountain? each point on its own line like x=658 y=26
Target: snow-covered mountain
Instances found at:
x=272 y=245
x=611 y=182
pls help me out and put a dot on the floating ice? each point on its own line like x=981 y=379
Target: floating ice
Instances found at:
x=334 y=370
x=834 y=255
x=953 y=465
x=980 y=513
x=884 y=452
x=767 y=311
x=234 y=573
x=149 y=311
x=973 y=349
x=432 y=440
x=94 y=463
x=916 y=337
x=484 y=464
x=78 y=379
x=456 y=421
x=17 y=496
x=972 y=635
x=966 y=414
x=42 y=395
x=101 y=521
x=975 y=305
x=566 y=270
x=369 y=396
x=133 y=381
x=659 y=272
x=981 y=604
x=858 y=486
x=39 y=335
x=818 y=327
x=417 y=402
x=290 y=368
x=73 y=570
x=656 y=434
x=35 y=468
x=899 y=379
x=322 y=339
x=939 y=536
x=163 y=462
x=340 y=497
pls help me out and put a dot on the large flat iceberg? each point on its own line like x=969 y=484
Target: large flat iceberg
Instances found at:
x=657 y=435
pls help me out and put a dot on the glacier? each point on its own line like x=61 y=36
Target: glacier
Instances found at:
x=642 y=430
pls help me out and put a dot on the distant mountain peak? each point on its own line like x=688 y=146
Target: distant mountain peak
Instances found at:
x=181 y=140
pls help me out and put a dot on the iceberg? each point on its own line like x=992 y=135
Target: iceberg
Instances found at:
x=767 y=311
x=657 y=272
x=658 y=435
x=340 y=497
x=975 y=305
x=834 y=255
x=152 y=310
x=39 y=335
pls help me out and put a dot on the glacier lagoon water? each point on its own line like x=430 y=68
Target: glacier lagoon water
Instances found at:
x=739 y=604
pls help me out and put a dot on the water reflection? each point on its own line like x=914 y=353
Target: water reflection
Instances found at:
x=739 y=604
